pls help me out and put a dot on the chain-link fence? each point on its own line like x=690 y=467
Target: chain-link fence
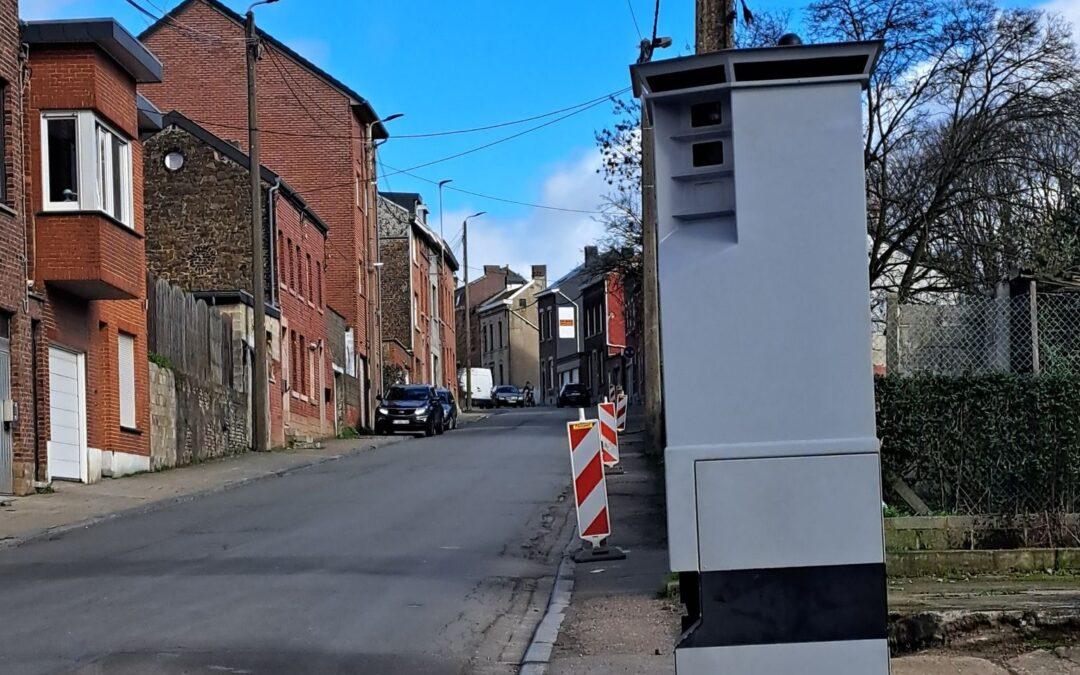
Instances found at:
x=1031 y=333
x=980 y=411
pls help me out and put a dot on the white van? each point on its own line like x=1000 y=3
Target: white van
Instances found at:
x=481 y=387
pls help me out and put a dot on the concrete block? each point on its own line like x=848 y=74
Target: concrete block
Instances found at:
x=117 y=464
x=94 y=465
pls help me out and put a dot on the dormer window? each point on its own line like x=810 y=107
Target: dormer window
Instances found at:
x=86 y=165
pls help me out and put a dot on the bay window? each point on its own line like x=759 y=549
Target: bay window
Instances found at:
x=86 y=165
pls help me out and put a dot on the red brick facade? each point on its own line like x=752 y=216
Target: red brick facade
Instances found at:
x=83 y=261
x=313 y=135
x=18 y=310
x=308 y=405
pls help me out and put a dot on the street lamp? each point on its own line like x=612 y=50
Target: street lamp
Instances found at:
x=468 y=319
x=377 y=301
x=439 y=272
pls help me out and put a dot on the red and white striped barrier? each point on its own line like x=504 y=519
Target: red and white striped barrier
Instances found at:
x=609 y=436
x=621 y=405
x=590 y=488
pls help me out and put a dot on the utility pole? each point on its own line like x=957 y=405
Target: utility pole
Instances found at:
x=714 y=26
x=654 y=387
x=468 y=319
x=260 y=398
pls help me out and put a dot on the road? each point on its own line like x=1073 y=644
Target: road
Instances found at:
x=427 y=556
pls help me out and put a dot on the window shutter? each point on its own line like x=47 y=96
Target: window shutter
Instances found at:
x=126 y=369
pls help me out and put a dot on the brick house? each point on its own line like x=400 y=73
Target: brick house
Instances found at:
x=21 y=326
x=562 y=345
x=317 y=133
x=418 y=277
x=83 y=171
x=604 y=331
x=495 y=280
x=509 y=343
x=198 y=236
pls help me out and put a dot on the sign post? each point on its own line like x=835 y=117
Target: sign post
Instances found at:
x=590 y=491
x=620 y=412
x=609 y=437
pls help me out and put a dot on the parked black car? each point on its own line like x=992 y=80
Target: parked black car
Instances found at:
x=410 y=407
x=507 y=394
x=575 y=395
x=449 y=406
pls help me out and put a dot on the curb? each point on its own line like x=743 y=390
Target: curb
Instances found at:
x=35 y=535
x=538 y=656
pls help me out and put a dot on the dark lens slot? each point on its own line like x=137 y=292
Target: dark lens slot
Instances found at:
x=706 y=114
x=709 y=154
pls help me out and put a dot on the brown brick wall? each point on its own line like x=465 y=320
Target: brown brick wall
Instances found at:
x=303 y=311
x=72 y=78
x=480 y=291
x=13 y=296
x=314 y=154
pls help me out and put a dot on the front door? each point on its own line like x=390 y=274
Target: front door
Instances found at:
x=6 y=478
x=67 y=415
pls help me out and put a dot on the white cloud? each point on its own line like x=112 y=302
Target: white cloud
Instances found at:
x=540 y=237
x=1070 y=10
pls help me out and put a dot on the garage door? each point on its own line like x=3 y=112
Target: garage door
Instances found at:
x=67 y=415
x=5 y=393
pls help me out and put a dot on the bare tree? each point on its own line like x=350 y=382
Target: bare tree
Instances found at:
x=957 y=116
x=620 y=150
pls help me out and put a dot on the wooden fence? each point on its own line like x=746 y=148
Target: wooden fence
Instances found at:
x=196 y=339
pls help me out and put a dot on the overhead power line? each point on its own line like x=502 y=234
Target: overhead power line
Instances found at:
x=179 y=26
x=303 y=134
x=513 y=122
x=630 y=6
x=503 y=139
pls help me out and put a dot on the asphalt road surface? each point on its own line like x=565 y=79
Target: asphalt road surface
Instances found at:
x=432 y=555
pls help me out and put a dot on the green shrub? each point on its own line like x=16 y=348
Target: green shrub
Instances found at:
x=997 y=444
x=160 y=360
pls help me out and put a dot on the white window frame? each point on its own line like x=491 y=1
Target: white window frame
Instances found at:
x=88 y=166
x=125 y=369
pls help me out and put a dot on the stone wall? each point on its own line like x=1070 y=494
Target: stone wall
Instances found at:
x=198 y=218
x=162 y=418
x=192 y=421
x=211 y=421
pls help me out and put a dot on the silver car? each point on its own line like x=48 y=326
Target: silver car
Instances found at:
x=508 y=395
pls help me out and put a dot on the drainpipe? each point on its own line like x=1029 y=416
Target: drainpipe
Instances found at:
x=272 y=218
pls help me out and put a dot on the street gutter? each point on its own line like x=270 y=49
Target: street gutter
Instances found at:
x=538 y=656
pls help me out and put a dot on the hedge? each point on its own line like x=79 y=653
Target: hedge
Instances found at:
x=983 y=444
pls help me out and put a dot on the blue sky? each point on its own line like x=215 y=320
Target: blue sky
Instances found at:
x=451 y=64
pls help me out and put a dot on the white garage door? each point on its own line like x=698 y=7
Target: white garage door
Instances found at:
x=67 y=415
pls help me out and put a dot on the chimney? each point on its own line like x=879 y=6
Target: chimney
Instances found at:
x=592 y=253
x=492 y=269
x=539 y=274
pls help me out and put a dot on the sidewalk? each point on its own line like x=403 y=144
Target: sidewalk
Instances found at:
x=72 y=505
x=619 y=620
